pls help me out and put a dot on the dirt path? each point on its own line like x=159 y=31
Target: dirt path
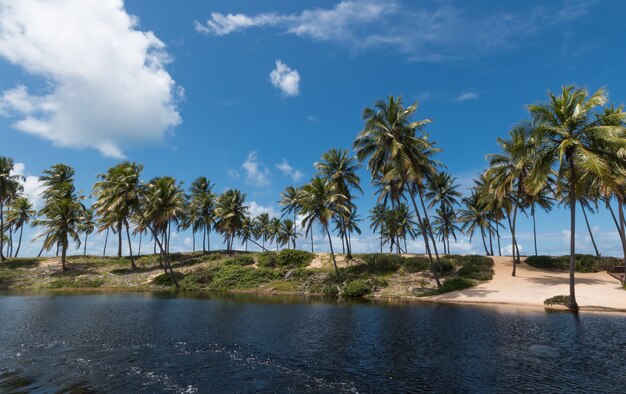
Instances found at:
x=532 y=286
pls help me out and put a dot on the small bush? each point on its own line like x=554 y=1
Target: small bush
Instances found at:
x=197 y=280
x=267 y=259
x=212 y=257
x=230 y=277
x=75 y=283
x=165 y=279
x=293 y=258
x=356 y=288
x=299 y=273
x=583 y=262
x=416 y=264
x=476 y=267
x=242 y=260
x=452 y=284
x=558 y=300
x=446 y=266
x=379 y=263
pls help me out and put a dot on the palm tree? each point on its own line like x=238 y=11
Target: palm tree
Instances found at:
x=445 y=226
x=230 y=212
x=165 y=203
x=541 y=199
x=20 y=213
x=9 y=188
x=202 y=207
x=574 y=143
x=87 y=225
x=473 y=217
x=290 y=200
x=262 y=224
x=377 y=217
x=398 y=226
x=397 y=154
x=118 y=194
x=246 y=231
x=442 y=190
x=274 y=231
x=320 y=203
x=510 y=171
x=287 y=233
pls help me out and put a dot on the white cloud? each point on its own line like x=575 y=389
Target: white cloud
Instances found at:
x=468 y=95
x=436 y=31
x=256 y=173
x=106 y=82
x=285 y=79
x=289 y=171
x=255 y=209
x=31 y=184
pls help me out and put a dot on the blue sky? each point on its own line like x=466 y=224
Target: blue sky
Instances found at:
x=251 y=93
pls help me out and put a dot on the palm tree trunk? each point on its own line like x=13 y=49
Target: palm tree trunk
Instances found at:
x=332 y=252
x=165 y=262
x=513 y=248
x=130 y=248
x=208 y=238
x=343 y=245
x=10 y=246
x=204 y=238
x=106 y=240
x=482 y=234
x=63 y=254
x=85 y=245
x=19 y=241
x=622 y=234
x=311 y=239
x=572 y=249
x=42 y=247
x=119 y=239
x=427 y=226
x=532 y=213
x=140 y=237
x=295 y=229
x=593 y=241
x=617 y=225
x=2 y=258
x=193 y=240
x=381 y=241
x=498 y=237
x=434 y=269
x=490 y=238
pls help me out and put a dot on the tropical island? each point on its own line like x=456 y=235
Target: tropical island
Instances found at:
x=571 y=151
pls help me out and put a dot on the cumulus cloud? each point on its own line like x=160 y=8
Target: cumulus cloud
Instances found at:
x=255 y=209
x=31 y=184
x=256 y=173
x=285 y=79
x=289 y=171
x=437 y=31
x=106 y=82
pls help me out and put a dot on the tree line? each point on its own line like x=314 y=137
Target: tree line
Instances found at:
x=571 y=150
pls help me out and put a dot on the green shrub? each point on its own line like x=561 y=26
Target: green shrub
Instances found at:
x=583 y=262
x=293 y=258
x=165 y=279
x=476 y=267
x=300 y=273
x=452 y=284
x=378 y=263
x=267 y=259
x=446 y=266
x=558 y=300
x=197 y=280
x=416 y=264
x=75 y=283
x=242 y=260
x=356 y=288
x=230 y=277
x=212 y=257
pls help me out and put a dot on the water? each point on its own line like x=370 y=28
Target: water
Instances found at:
x=155 y=343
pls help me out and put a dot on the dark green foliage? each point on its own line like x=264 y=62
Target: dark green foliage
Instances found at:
x=26 y=262
x=452 y=284
x=293 y=258
x=299 y=273
x=558 y=300
x=377 y=263
x=476 y=267
x=236 y=277
x=242 y=260
x=212 y=257
x=75 y=283
x=166 y=280
x=197 y=280
x=446 y=266
x=584 y=262
x=267 y=259
x=357 y=288
x=416 y=264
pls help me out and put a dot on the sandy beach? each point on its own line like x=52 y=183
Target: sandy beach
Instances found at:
x=594 y=291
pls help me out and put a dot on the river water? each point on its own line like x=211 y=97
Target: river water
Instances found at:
x=227 y=343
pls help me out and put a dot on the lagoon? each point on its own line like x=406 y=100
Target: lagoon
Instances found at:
x=151 y=342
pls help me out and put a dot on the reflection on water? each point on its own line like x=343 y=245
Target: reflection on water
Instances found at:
x=242 y=342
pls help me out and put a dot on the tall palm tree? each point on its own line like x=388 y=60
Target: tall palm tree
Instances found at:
x=290 y=201
x=473 y=217
x=287 y=233
x=274 y=231
x=262 y=224
x=574 y=143
x=230 y=212
x=541 y=199
x=377 y=218
x=202 y=207
x=442 y=190
x=165 y=204
x=9 y=188
x=20 y=213
x=445 y=225
x=87 y=225
x=320 y=203
x=118 y=194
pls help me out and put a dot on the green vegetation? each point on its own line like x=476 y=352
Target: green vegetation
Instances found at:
x=356 y=288
x=76 y=283
x=165 y=279
x=558 y=300
x=416 y=264
x=293 y=258
x=244 y=259
x=452 y=284
x=583 y=263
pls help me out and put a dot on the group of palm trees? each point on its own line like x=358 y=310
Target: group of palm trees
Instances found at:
x=571 y=150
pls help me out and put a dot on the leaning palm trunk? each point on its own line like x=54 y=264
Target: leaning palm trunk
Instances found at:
x=490 y=237
x=84 y=246
x=140 y=236
x=106 y=240
x=428 y=227
x=165 y=262
x=433 y=268
x=19 y=241
x=593 y=241
x=497 y=237
x=63 y=255
x=332 y=252
x=572 y=263
x=532 y=213
x=119 y=239
x=482 y=234
x=130 y=248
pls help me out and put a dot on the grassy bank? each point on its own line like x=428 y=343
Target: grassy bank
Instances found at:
x=287 y=271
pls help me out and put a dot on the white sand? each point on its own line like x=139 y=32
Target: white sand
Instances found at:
x=531 y=286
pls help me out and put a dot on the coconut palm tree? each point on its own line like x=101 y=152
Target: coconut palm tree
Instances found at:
x=20 y=212
x=262 y=225
x=230 y=212
x=573 y=142
x=320 y=203
x=473 y=217
x=377 y=218
x=165 y=204
x=287 y=233
x=442 y=191
x=202 y=210
x=9 y=188
x=87 y=225
x=118 y=194
x=290 y=202
x=274 y=231
x=542 y=199
x=445 y=226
